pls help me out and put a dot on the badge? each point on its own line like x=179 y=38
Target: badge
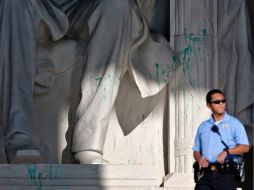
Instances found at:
x=225 y=126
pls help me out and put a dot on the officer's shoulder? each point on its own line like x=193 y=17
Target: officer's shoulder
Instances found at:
x=234 y=120
x=204 y=124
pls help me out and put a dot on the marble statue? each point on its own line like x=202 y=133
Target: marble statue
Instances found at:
x=62 y=62
x=236 y=66
x=118 y=40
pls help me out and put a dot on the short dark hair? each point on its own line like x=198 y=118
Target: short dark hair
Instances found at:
x=211 y=92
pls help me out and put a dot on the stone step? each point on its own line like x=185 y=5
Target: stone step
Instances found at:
x=91 y=177
x=179 y=181
x=77 y=177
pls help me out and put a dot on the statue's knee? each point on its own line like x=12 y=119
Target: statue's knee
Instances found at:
x=13 y=3
x=14 y=7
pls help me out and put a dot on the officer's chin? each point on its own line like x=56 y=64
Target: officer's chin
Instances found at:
x=221 y=112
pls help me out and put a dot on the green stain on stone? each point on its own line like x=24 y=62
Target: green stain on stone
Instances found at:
x=31 y=171
x=157 y=72
x=35 y=176
x=175 y=59
x=185 y=60
x=98 y=78
x=204 y=32
x=187 y=51
x=193 y=39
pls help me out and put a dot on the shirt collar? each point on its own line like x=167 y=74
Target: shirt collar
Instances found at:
x=225 y=118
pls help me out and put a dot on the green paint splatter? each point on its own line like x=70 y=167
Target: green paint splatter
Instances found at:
x=165 y=76
x=51 y=172
x=98 y=78
x=174 y=64
x=31 y=171
x=175 y=58
x=36 y=177
x=187 y=50
x=157 y=72
x=184 y=33
x=204 y=32
x=193 y=39
x=186 y=61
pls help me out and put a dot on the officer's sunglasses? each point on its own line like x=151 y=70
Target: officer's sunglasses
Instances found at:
x=218 y=101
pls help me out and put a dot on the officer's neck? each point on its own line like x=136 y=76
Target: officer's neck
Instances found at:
x=218 y=116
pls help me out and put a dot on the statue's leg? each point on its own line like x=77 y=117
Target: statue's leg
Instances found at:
x=17 y=64
x=110 y=34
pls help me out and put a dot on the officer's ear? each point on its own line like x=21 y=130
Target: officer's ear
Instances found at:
x=208 y=105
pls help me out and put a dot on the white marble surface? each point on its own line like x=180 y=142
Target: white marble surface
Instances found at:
x=67 y=176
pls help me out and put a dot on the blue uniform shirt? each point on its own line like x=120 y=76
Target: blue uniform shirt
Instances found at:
x=208 y=143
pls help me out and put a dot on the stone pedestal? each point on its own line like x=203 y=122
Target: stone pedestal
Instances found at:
x=179 y=181
x=77 y=177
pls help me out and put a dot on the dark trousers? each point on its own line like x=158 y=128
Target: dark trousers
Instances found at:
x=216 y=181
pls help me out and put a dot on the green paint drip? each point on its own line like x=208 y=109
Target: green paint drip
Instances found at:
x=204 y=32
x=194 y=45
x=31 y=171
x=36 y=178
x=186 y=60
x=52 y=174
x=98 y=78
x=165 y=76
x=193 y=39
x=175 y=58
x=157 y=72
x=185 y=35
x=187 y=51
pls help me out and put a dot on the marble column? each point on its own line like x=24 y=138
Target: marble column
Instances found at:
x=193 y=37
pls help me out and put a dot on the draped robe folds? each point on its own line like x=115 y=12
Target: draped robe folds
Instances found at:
x=236 y=64
x=118 y=40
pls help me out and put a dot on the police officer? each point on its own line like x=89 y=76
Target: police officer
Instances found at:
x=218 y=139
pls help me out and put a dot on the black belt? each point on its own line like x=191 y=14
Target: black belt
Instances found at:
x=222 y=168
